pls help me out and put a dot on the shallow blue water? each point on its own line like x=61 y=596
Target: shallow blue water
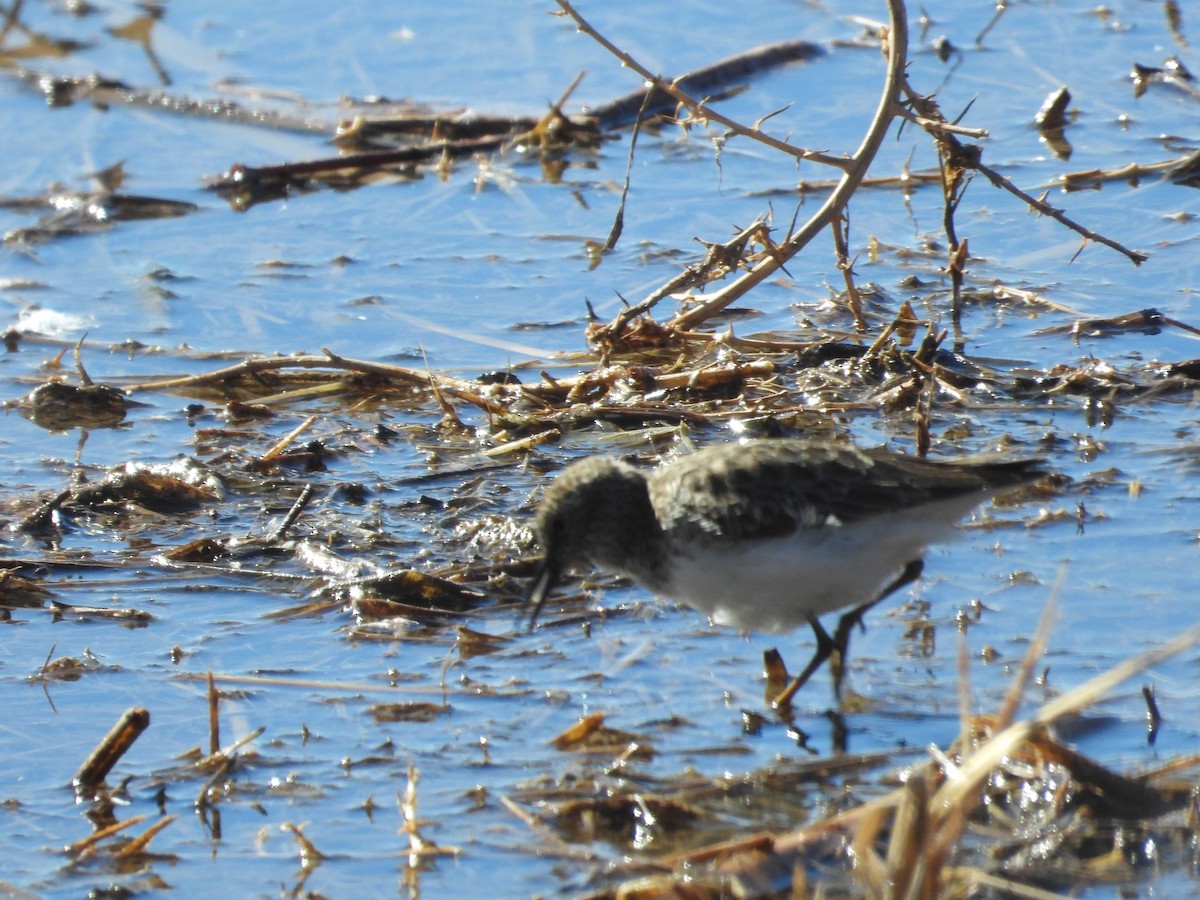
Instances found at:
x=455 y=273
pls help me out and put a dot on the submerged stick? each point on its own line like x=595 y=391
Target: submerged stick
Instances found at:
x=86 y=844
x=96 y=767
x=138 y=845
x=289 y=520
x=720 y=74
x=214 y=717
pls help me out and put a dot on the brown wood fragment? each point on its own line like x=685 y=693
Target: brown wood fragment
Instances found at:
x=138 y=845
x=86 y=844
x=118 y=740
x=214 y=719
x=1053 y=113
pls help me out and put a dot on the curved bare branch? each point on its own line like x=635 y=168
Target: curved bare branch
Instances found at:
x=769 y=264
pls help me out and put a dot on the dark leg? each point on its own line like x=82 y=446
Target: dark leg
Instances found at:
x=825 y=646
x=837 y=645
x=841 y=634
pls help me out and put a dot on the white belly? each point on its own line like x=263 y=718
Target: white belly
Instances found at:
x=775 y=584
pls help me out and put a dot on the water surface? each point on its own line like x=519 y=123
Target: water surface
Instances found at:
x=486 y=269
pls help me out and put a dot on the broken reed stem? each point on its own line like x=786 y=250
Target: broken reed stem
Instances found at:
x=139 y=844
x=951 y=800
x=311 y=683
x=622 y=111
x=954 y=185
x=114 y=745
x=923 y=412
x=310 y=856
x=93 y=839
x=1091 y=179
x=286 y=441
x=1035 y=652
x=214 y=718
x=963 y=662
x=228 y=752
x=224 y=765
x=293 y=514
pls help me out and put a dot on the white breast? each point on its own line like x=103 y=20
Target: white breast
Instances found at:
x=775 y=584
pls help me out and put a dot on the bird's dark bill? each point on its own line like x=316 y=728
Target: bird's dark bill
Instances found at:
x=543 y=583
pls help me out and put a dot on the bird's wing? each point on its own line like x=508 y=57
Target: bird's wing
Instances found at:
x=772 y=488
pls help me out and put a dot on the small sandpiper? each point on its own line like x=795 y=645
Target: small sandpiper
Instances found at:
x=765 y=535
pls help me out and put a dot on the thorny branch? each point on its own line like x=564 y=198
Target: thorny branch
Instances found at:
x=699 y=108
x=922 y=111
x=930 y=118
x=854 y=170
x=1045 y=209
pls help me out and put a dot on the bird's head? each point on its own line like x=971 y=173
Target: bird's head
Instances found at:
x=581 y=521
